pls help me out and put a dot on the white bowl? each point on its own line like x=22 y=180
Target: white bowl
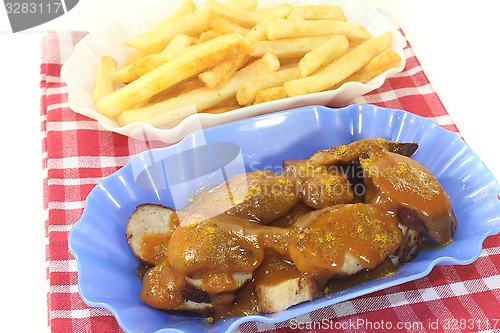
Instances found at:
x=79 y=71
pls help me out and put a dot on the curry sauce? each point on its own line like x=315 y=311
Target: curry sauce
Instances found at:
x=229 y=252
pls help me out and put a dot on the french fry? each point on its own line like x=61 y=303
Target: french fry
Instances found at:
x=242 y=17
x=215 y=77
x=227 y=27
x=178 y=89
x=208 y=35
x=323 y=54
x=290 y=62
x=202 y=99
x=156 y=39
x=378 y=65
x=287 y=28
x=270 y=94
x=185 y=8
x=222 y=109
x=318 y=12
x=228 y=105
x=288 y=47
x=180 y=41
x=221 y=73
x=142 y=66
x=104 y=84
x=341 y=68
x=134 y=57
x=147 y=63
x=250 y=88
x=197 y=59
x=259 y=31
x=242 y=4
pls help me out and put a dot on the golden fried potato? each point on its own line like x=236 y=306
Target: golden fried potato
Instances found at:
x=341 y=68
x=197 y=59
x=318 y=12
x=288 y=28
x=221 y=73
x=242 y=17
x=288 y=47
x=156 y=39
x=139 y=67
x=232 y=53
x=104 y=84
x=323 y=54
x=201 y=99
x=378 y=65
x=270 y=94
x=250 y=88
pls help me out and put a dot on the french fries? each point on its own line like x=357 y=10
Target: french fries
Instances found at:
x=250 y=88
x=185 y=8
x=242 y=17
x=202 y=98
x=104 y=84
x=242 y=4
x=288 y=47
x=270 y=94
x=135 y=68
x=157 y=39
x=341 y=68
x=376 y=66
x=319 y=12
x=323 y=54
x=227 y=27
x=259 y=31
x=192 y=62
x=297 y=27
x=228 y=55
x=221 y=73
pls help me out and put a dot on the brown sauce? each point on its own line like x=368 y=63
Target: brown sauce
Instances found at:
x=214 y=252
x=289 y=219
x=230 y=243
x=385 y=269
x=275 y=269
x=398 y=181
x=365 y=233
x=245 y=304
x=162 y=288
x=154 y=246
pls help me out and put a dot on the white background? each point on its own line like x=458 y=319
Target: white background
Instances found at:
x=455 y=41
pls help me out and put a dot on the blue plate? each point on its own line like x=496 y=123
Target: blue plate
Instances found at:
x=169 y=176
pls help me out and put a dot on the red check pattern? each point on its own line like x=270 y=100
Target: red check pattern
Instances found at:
x=77 y=154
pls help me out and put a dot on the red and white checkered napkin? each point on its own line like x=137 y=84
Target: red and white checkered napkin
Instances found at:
x=78 y=154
